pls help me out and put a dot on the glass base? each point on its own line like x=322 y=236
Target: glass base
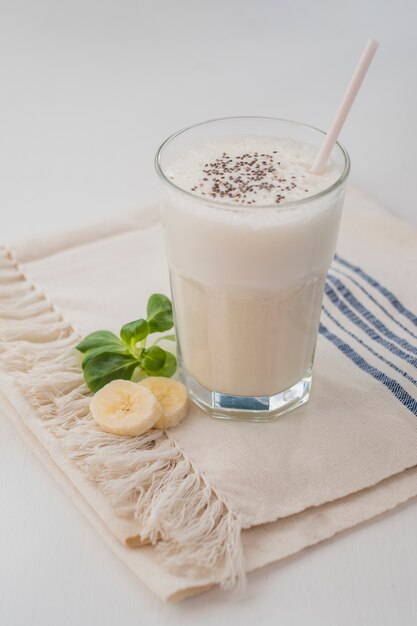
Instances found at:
x=250 y=408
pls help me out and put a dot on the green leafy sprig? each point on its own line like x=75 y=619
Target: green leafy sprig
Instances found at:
x=108 y=357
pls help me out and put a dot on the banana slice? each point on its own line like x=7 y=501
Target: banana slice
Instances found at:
x=125 y=408
x=173 y=398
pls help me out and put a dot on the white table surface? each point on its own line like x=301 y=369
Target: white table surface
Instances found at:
x=88 y=89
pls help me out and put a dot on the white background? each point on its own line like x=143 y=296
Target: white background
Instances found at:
x=88 y=89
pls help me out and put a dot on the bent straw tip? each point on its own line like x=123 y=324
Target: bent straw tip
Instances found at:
x=373 y=42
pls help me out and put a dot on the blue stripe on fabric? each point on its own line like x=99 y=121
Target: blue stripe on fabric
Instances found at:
x=341 y=287
x=385 y=292
x=351 y=315
x=371 y=350
x=392 y=385
x=378 y=304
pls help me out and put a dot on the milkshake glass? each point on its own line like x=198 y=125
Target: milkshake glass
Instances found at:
x=250 y=234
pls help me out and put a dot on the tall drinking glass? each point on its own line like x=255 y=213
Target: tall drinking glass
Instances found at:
x=247 y=278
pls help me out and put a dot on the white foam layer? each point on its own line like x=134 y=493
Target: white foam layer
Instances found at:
x=248 y=246
x=247 y=170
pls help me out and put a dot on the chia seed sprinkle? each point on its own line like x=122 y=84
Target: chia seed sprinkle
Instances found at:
x=249 y=171
x=244 y=176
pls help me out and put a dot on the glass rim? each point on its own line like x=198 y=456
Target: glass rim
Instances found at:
x=239 y=207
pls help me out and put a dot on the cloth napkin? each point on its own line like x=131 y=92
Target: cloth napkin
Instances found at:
x=206 y=502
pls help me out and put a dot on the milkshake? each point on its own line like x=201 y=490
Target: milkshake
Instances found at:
x=250 y=235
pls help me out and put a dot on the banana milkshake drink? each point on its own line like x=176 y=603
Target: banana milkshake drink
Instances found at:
x=250 y=235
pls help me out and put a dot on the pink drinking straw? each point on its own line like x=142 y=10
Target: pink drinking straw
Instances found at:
x=344 y=108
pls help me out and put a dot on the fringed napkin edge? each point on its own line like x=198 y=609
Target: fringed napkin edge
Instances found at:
x=146 y=479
